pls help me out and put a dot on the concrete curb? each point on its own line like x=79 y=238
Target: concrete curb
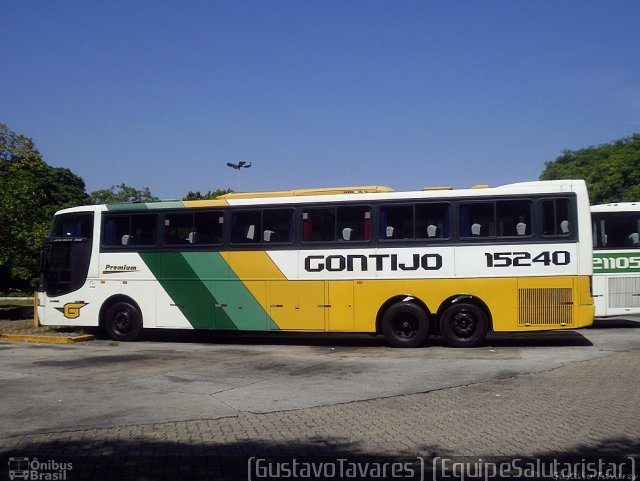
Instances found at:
x=47 y=339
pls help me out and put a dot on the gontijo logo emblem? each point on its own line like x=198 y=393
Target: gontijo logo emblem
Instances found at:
x=71 y=310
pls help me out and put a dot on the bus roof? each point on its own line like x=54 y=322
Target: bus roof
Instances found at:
x=346 y=194
x=367 y=189
x=617 y=207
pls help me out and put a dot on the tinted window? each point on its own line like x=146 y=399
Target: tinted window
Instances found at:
x=257 y=227
x=208 y=228
x=502 y=218
x=115 y=230
x=331 y=224
x=554 y=214
x=513 y=218
x=73 y=225
x=396 y=222
x=143 y=230
x=130 y=230
x=477 y=219
x=319 y=225
x=422 y=221
x=354 y=223
x=246 y=227
x=619 y=230
x=277 y=225
x=432 y=221
x=178 y=228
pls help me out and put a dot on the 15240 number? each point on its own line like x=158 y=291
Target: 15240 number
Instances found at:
x=524 y=259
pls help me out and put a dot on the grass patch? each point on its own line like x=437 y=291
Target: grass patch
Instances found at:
x=16 y=302
x=14 y=293
x=25 y=326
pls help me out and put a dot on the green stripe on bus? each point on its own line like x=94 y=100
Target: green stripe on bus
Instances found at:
x=126 y=206
x=245 y=311
x=183 y=287
x=616 y=262
x=210 y=295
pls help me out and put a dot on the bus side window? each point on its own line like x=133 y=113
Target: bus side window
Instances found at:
x=396 y=222
x=354 y=223
x=432 y=221
x=555 y=217
x=143 y=230
x=319 y=225
x=178 y=229
x=477 y=219
x=115 y=230
x=207 y=228
x=245 y=226
x=277 y=225
x=513 y=218
x=130 y=230
x=619 y=230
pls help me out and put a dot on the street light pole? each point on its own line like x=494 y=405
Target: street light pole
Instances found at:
x=240 y=165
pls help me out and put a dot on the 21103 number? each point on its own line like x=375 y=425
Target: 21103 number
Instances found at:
x=524 y=259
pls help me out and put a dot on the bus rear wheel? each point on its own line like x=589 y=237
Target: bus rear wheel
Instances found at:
x=123 y=321
x=464 y=325
x=405 y=325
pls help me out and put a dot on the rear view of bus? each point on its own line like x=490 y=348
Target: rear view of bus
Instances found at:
x=616 y=258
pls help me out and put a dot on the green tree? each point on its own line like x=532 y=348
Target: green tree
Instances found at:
x=30 y=192
x=122 y=193
x=208 y=196
x=611 y=171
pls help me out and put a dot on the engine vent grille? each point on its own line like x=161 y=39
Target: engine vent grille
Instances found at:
x=624 y=292
x=545 y=306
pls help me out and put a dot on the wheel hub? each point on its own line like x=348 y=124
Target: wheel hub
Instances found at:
x=406 y=328
x=464 y=324
x=123 y=322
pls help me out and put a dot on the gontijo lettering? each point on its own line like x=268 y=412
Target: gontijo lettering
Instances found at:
x=372 y=262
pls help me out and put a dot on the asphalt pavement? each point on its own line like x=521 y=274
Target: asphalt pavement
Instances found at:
x=148 y=410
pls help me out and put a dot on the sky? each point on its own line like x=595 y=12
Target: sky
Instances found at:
x=316 y=93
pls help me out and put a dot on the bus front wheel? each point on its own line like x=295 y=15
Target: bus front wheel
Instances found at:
x=405 y=325
x=464 y=325
x=123 y=321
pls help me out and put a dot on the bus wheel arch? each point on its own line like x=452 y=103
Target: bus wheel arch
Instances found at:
x=121 y=318
x=404 y=321
x=464 y=320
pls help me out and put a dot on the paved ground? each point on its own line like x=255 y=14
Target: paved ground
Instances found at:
x=549 y=395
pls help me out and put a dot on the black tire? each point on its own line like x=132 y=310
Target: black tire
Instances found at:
x=123 y=321
x=405 y=325
x=464 y=325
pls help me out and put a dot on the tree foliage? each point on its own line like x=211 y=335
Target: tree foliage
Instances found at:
x=30 y=192
x=122 y=193
x=611 y=171
x=208 y=196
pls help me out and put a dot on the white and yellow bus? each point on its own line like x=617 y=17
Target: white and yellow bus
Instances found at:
x=616 y=258
x=456 y=263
